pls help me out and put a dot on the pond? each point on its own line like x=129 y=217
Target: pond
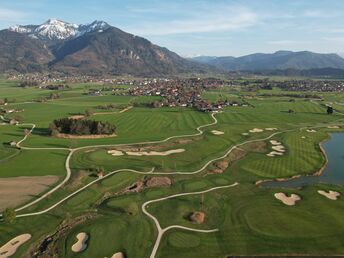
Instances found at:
x=333 y=173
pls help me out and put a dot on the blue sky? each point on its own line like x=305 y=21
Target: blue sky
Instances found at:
x=202 y=27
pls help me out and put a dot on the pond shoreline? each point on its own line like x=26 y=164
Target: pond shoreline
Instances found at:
x=319 y=173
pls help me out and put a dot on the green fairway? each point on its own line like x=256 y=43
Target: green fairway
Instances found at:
x=104 y=195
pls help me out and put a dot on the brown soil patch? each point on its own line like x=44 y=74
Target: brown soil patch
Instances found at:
x=221 y=166
x=256 y=147
x=197 y=217
x=158 y=181
x=22 y=189
x=72 y=136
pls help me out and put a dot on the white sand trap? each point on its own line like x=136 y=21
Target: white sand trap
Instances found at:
x=215 y=132
x=115 y=153
x=118 y=255
x=333 y=127
x=271 y=129
x=303 y=137
x=311 y=131
x=154 y=153
x=274 y=153
x=245 y=134
x=11 y=246
x=279 y=148
x=80 y=245
x=332 y=195
x=273 y=142
x=256 y=130
x=290 y=201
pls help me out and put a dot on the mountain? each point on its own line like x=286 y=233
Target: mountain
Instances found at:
x=23 y=54
x=117 y=52
x=280 y=60
x=95 y=48
x=55 y=30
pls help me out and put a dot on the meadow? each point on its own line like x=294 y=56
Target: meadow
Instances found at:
x=250 y=220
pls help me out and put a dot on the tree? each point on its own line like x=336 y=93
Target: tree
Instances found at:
x=9 y=216
x=329 y=110
x=88 y=112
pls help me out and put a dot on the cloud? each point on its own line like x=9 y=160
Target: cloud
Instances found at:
x=334 y=39
x=287 y=42
x=215 y=19
x=7 y=15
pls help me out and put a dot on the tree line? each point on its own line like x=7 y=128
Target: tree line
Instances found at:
x=81 y=127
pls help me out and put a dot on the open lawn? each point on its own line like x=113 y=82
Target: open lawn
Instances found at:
x=110 y=209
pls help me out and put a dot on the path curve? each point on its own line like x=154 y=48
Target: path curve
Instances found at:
x=72 y=151
x=161 y=231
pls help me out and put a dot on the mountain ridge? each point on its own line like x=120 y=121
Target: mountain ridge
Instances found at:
x=93 y=48
x=280 y=60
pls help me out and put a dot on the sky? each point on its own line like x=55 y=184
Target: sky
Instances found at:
x=201 y=27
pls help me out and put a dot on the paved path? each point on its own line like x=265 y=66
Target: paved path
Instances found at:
x=161 y=231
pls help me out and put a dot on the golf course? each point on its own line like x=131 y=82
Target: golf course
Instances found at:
x=169 y=181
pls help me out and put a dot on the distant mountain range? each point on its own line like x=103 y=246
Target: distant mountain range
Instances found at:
x=281 y=60
x=99 y=48
x=95 y=48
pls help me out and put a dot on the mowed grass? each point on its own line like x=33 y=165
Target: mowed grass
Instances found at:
x=35 y=163
x=303 y=156
x=7 y=134
x=252 y=222
x=135 y=125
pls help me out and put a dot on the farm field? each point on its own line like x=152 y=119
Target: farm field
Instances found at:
x=163 y=166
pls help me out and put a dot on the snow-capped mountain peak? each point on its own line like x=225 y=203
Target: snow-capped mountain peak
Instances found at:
x=54 y=29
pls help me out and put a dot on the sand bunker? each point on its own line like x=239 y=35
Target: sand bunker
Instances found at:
x=311 y=131
x=333 y=127
x=256 y=130
x=332 y=195
x=303 y=137
x=80 y=245
x=77 y=117
x=273 y=142
x=271 y=129
x=22 y=189
x=245 y=134
x=197 y=217
x=279 y=148
x=115 y=153
x=290 y=201
x=11 y=246
x=118 y=255
x=274 y=153
x=215 y=132
x=154 y=153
